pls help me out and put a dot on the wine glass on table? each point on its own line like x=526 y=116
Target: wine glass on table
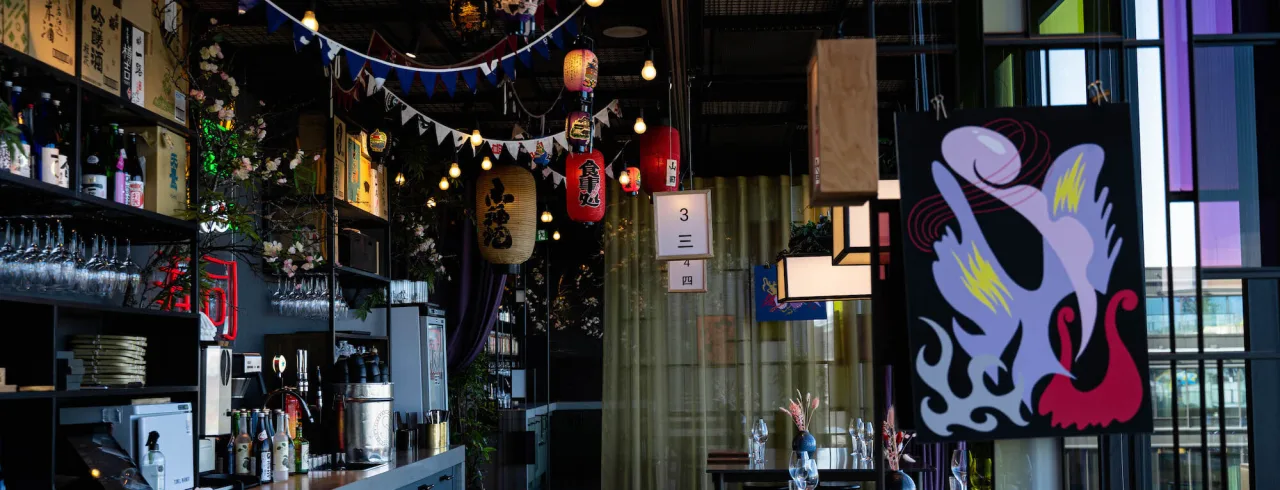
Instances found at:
x=803 y=470
x=760 y=435
x=960 y=466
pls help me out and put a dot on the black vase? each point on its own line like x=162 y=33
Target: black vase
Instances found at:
x=804 y=441
x=897 y=480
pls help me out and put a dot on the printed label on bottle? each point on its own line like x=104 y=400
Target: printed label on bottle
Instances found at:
x=304 y=458
x=281 y=456
x=94 y=185
x=264 y=467
x=135 y=193
x=51 y=169
x=243 y=461
x=22 y=161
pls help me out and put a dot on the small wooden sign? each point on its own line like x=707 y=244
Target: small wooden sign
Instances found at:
x=843 y=126
x=682 y=224
x=687 y=276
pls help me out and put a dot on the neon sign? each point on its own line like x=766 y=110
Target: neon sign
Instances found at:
x=223 y=296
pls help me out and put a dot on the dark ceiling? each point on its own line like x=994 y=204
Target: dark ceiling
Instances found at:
x=736 y=66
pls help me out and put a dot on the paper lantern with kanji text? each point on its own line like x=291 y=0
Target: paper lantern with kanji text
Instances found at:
x=631 y=184
x=660 y=159
x=506 y=214
x=585 y=186
x=577 y=128
x=581 y=69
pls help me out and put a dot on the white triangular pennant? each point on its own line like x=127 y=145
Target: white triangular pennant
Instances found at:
x=546 y=171
x=561 y=139
x=369 y=86
x=608 y=171
x=602 y=119
x=390 y=100
x=442 y=132
x=557 y=178
x=422 y=125
x=458 y=137
x=512 y=148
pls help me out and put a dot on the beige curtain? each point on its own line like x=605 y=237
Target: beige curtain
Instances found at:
x=689 y=373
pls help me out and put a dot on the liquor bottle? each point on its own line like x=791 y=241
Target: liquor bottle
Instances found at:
x=152 y=465
x=280 y=448
x=243 y=446
x=93 y=174
x=49 y=166
x=316 y=398
x=134 y=172
x=63 y=134
x=264 y=449
x=301 y=453
x=21 y=164
x=119 y=177
x=372 y=362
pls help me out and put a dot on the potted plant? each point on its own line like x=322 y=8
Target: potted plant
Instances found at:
x=805 y=271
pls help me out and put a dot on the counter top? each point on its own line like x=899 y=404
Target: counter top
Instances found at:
x=404 y=470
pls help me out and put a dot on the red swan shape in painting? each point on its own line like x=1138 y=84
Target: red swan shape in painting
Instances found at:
x=1119 y=395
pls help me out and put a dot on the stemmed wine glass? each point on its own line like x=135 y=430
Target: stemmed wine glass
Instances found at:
x=803 y=470
x=759 y=435
x=960 y=466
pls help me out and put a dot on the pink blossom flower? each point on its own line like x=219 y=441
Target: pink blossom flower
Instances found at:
x=223 y=75
x=213 y=20
x=282 y=181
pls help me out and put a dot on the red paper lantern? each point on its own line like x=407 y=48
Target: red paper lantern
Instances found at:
x=581 y=69
x=660 y=159
x=633 y=186
x=577 y=128
x=584 y=188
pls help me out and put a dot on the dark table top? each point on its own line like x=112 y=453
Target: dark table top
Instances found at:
x=834 y=464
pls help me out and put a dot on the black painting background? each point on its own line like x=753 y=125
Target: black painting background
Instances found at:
x=1017 y=246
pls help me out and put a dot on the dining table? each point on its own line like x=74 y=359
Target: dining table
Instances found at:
x=835 y=465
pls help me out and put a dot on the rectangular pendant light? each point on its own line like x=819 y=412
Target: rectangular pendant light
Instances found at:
x=815 y=278
x=851 y=228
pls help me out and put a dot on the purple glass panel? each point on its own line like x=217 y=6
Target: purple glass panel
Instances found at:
x=1220 y=234
x=1217 y=138
x=1177 y=96
x=1212 y=16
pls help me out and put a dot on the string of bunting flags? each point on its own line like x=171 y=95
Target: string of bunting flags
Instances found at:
x=356 y=61
x=540 y=149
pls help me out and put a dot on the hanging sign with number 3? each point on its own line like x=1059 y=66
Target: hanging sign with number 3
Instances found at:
x=682 y=224
x=687 y=276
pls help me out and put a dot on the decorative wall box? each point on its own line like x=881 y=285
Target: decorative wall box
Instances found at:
x=843 y=127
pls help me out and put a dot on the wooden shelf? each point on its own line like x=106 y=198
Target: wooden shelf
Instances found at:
x=350 y=277
x=351 y=216
x=98 y=393
x=73 y=303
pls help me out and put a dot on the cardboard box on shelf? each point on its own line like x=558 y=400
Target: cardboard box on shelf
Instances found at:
x=352 y=171
x=13 y=21
x=52 y=25
x=161 y=87
x=166 y=169
x=100 y=24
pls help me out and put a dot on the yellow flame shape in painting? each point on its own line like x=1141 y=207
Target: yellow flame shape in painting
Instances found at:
x=1069 y=188
x=982 y=282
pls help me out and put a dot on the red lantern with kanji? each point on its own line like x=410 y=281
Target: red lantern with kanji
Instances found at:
x=631 y=184
x=584 y=188
x=660 y=159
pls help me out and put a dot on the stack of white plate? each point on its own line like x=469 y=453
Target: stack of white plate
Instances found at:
x=112 y=360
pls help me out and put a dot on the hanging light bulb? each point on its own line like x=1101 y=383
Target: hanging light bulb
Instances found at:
x=546 y=217
x=595 y=3
x=486 y=164
x=455 y=171
x=475 y=137
x=648 y=72
x=309 y=20
x=444 y=183
x=640 y=127
x=556 y=235
x=431 y=202
x=624 y=179
x=399 y=178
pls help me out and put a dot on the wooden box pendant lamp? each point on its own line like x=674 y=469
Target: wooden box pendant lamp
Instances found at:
x=843 y=128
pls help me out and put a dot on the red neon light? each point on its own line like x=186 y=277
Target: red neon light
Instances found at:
x=224 y=295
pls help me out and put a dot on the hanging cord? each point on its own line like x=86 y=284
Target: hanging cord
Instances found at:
x=520 y=103
x=933 y=30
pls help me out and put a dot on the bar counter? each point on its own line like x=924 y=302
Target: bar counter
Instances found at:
x=408 y=471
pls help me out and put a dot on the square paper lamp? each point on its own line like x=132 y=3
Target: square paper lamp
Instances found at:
x=851 y=232
x=814 y=278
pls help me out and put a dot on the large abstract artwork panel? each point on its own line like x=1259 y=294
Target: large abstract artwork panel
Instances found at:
x=1024 y=273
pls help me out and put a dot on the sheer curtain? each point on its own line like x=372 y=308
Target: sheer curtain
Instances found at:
x=689 y=373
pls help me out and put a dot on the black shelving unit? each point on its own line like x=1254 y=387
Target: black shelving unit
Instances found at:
x=40 y=325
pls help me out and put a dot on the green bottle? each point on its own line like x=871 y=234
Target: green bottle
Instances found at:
x=301 y=453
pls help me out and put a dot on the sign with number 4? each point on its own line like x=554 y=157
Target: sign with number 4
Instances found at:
x=682 y=224
x=687 y=276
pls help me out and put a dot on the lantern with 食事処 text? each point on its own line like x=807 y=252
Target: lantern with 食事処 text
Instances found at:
x=585 y=186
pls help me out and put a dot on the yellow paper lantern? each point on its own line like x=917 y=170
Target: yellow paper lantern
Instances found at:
x=581 y=69
x=506 y=210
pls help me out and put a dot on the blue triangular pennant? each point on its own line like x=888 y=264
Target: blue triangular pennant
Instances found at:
x=469 y=76
x=324 y=50
x=301 y=36
x=450 y=80
x=429 y=81
x=542 y=49
x=557 y=38
x=275 y=18
x=405 y=76
x=379 y=69
x=355 y=62
x=509 y=67
x=492 y=76
x=526 y=58
x=572 y=27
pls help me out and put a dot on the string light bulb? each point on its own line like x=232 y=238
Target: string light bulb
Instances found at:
x=624 y=179
x=399 y=178
x=595 y=3
x=455 y=171
x=431 y=202
x=546 y=217
x=444 y=183
x=309 y=20
x=640 y=126
x=648 y=72
x=476 y=140
x=556 y=235
x=486 y=164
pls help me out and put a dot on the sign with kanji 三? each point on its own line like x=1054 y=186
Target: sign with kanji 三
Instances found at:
x=682 y=224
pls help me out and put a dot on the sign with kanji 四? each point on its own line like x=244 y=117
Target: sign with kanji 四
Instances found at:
x=687 y=276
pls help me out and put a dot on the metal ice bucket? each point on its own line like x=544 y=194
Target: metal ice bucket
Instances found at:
x=366 y=431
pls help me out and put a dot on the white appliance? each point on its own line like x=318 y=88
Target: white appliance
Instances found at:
x=435 y=361
x=215 y=391
x=130 y=425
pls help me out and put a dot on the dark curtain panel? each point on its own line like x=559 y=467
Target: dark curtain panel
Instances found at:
x=475 y=307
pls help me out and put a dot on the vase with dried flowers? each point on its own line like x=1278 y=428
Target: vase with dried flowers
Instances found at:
x=801 y=411
x=895 y=443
